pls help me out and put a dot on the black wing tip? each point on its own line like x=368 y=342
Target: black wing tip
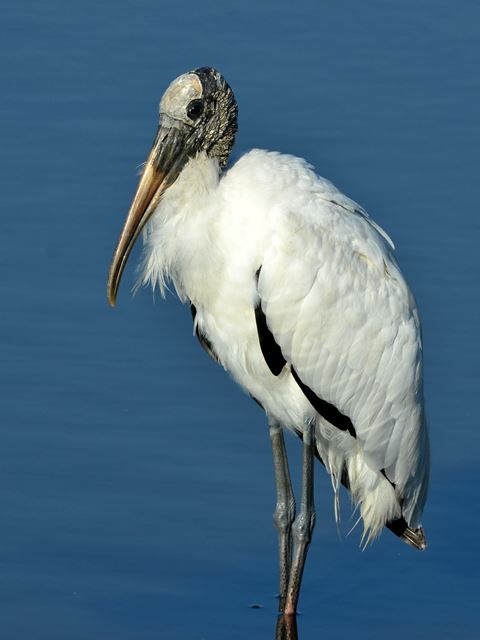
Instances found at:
x=270 y=348
x=413 y=537
x=328 y=411
x=202 y=338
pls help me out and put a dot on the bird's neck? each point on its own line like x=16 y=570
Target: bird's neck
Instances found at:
x=177 y=241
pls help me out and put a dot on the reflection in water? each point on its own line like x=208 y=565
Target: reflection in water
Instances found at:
x=286 y=628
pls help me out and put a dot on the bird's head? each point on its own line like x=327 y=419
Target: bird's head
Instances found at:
x=198 y=113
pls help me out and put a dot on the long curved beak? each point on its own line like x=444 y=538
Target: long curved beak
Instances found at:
x=164 y=163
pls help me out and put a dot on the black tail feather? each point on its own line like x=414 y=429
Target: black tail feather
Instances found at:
x=414 y=537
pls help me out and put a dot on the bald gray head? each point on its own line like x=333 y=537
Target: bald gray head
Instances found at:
x=198 y=113
x=202 y=105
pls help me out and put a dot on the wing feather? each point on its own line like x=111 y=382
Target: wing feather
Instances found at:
x=343 y=316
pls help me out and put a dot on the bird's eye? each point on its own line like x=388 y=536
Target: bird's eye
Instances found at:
x=195 y=109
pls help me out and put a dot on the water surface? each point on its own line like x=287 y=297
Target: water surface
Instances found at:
x=136 y=486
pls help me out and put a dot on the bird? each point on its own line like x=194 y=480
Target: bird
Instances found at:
x=296 y=292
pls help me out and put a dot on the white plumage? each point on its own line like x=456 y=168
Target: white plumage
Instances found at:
x=334 y=300
x=295 y=291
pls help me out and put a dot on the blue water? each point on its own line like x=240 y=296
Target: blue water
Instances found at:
x=136 y=485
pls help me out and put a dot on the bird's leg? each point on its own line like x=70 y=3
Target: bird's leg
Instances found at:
x=305 y=521
x=285 y=508
x=286 y=628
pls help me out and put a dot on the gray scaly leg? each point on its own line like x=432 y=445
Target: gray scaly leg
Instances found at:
x=286 y=628
x=285 y=507
x=304 y=523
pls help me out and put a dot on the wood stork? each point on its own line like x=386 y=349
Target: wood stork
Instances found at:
x=295 y=291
